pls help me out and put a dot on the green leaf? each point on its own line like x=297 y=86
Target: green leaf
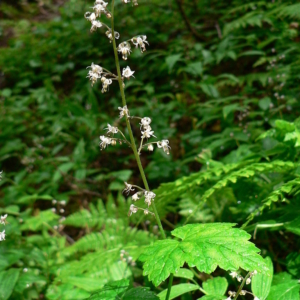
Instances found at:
x=178 y=290
x=139 y=293
x=216 y=286
x=8 y=280
x=288 y=290
x=112 y=290
x=66 y=292
x=184 y=273
x=261 y=282
x=205 y=246
x=172 y=60
x=213 y=297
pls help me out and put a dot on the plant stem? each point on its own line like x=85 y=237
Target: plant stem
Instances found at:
x=169 y=286
x=137 y=157
x=241 y=286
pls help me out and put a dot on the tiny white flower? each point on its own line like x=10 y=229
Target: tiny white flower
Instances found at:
x=63 y=202
x=127 y=73
x=147 y=133
x=135 y=197
x=165 y=145
x=150 y=147
x=140 y=41
x=145 y=122
x=135 y=2
x=123 y=111
x=95 y=73
x=243 y=292
x=90 y=16
x=99 y=8
x=125 y=49
x=248 y=280
x=233 y=274
x=126 y=1
x=239 y=278
x=146 y=211
x=111 y=129
x=109 y=35
x=255 y=298
x=3 y=219
x=105 y=84
x=105 y=141
x=2 y=235
x=132 y=210
x=128 y=188
x=149 y=196
x=229 y=298
x=95 y=25
x=25 y=270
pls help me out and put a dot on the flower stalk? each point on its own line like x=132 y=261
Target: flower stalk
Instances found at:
x=133 y=144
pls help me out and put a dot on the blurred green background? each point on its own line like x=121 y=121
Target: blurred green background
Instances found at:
x=216 y=75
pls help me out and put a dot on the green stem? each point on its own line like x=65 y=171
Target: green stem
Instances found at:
x=169 y=286
x=241 y=286
x=137 y=157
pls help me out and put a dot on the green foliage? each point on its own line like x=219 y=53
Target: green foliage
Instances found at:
x=219 y=79
x=204 y=246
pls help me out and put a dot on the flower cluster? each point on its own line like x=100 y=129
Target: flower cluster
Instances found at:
x=240 y=278
x=3 y=222
x=124 y=256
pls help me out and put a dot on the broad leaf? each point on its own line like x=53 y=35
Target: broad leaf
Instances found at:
x=261 y=282
x=8 y=280
x=284 y=288
x=205 y=246
x=178 y=290
x=184 y=273
x=216 y=286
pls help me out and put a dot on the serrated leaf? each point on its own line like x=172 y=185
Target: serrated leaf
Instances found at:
x=216 y=286
x=205 y=246
x=139 y=293
x=285 y=291
x=261 y=282
x=178 y=290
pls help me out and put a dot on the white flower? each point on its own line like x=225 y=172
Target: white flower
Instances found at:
x=123 y=111
x=127 y=72
x=149 y=196
x=135 y=2
x=3 y=219
x=99 y=8
x=233 y=274
x=95 y=25
x=146 y=211
x=239 y=278
x=95 y=73
x=145 y=122
x=165 y=145
x=132 y=210
x=105 y=83
x=126 y=1
x=147 y=133
x=2 y=235
x=150 y=147
x=243 y=292
x=229 y=298
x=135 y=197
x=128 y=188
x=140 y=41
x=255 y=298
x=109 y=35
x=248 y=280
x=111 y=129
x=90 y=16
x=105 y=141
x=125 y=49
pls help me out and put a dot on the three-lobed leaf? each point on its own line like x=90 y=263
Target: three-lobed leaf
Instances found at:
x=205 y=246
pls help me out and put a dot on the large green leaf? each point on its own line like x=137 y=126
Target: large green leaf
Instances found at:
x=204 y=246
x=261 y=282
x=178 y=290
x=8 y=280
